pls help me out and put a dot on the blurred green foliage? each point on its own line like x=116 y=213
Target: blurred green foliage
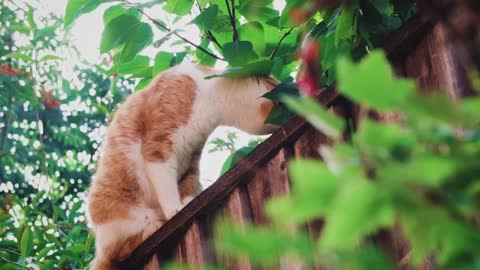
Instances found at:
x=420 y=173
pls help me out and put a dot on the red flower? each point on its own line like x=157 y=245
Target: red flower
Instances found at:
x=14 y=72
x=49 y=100
x=6 y=69
x=311 y=50
x=307 y=85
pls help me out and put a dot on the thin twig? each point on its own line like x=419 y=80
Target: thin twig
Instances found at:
x=15 y=263
x=208 y=32
x=280 y=42
x=164 y=27
x=10 y=251
x=213 y=39
x=231 y=14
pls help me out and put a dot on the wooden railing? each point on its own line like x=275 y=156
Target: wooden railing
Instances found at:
x=419 y=50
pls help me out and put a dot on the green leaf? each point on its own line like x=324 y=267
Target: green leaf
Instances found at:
x=425 y=170
x=383 y=6
x=44 y=251
x=238 y=53
x=438 y=108
x=20 y=28
x=49 y=57
x=384 y=141
x=261 y=68
x=139 y=66
x=141 y=37
x=318 y=116
x=179 y=7
x=120 y=30
x=358 y=209
x=31 y=19
x=26 y=242
x=283 y=89
x=257 y=10
x=75 y=8
x=143 y=83
x=204 y=58
x=261 y=245
x=24 y=57
x=115 y=11
x=279 y=115
x=254 y=32
x=234 y=158
x=347 y=23
x=371 y=83
x=207 y=19
x=37 y=198
x=313 y=189
x=471 y=106
x=163 y=62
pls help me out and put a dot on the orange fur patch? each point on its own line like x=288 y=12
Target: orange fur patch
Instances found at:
x=265 y=108
x=150 y=117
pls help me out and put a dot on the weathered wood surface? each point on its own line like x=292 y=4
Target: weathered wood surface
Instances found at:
x=418 y=50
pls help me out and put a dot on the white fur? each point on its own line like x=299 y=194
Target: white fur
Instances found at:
x=164 y=178
x=114 y=231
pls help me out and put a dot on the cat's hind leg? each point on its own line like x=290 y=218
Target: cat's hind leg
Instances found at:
x=189 y=185
x=115 y=240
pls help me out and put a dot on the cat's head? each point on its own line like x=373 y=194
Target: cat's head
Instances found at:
x=248 y=109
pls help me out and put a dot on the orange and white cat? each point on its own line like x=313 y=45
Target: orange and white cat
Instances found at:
x=148 y=169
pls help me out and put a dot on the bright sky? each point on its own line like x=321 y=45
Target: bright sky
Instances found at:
x=86 y=33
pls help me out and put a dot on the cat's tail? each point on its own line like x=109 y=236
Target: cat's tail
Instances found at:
x=101 y=264
x=108 y=257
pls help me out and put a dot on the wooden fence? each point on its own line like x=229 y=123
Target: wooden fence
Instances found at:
x=419 y=50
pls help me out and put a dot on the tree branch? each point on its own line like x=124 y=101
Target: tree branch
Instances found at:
x=164 y=27
x=5 y=127
x=208 y=32
x=231 y=14
x=280 y=42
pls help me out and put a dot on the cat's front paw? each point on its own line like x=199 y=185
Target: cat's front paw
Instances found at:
x=172 y=212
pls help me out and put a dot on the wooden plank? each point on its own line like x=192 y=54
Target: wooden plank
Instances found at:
x=272 y=181
x=269 y=181
x=308 y=144
x=237 y=209
x=178 y=255
x=194 y=246
x=433 y=65
x=404 y=40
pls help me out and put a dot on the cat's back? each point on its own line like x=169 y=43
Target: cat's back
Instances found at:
x=141 y=129
x=147 y=119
